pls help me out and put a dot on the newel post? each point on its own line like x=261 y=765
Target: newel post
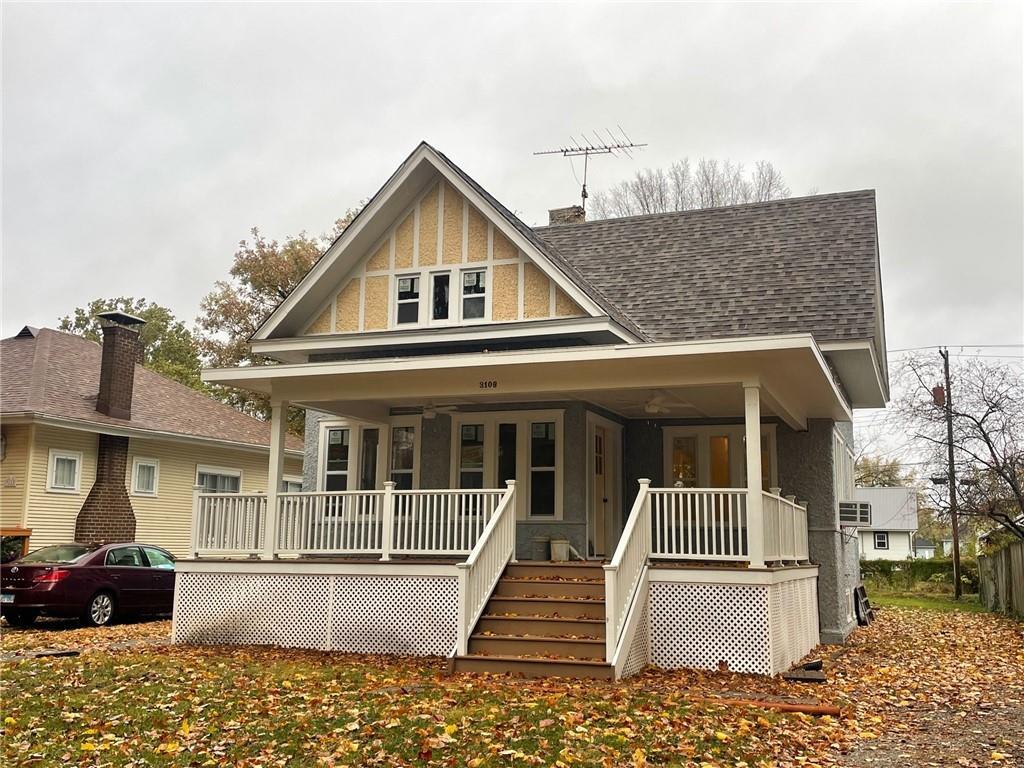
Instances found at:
x=755 y=501
x=196 y=490
x=387 y=520
x=510 y=491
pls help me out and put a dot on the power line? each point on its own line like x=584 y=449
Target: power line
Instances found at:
x=958 y=346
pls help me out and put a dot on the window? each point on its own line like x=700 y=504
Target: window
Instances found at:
x=368 y=459
x=403 y=456
x=408 y=299
x=129 y=557
x=720 y=458
x=471 y=456
x=474 y=294
x=145 y=474
x=684 y=462
x=440 y=300
x=65 y=471
x=542 y=469
x=291 y=485
x=506 y=453
x=336 y=460
x=159 y=559
x=218 y=480
x=881 y=540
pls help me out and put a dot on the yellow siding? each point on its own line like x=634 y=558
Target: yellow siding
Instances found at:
x=14 y=475
x=505 y=302
x=477 y=250
x=381 y=260
x=375 y=309
x=537 y=293
x=166 y=519
x=347 y=318
x=51 y=515
x=503 y=247
x=323 y=323
x=451 y=248
x=566 y=307
x=428 y=229
x=403 y=243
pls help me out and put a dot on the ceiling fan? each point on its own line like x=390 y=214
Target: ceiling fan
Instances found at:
x=663 y=403
x=430 y=410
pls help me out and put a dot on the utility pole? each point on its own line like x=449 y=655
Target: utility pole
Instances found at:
x=951 y=469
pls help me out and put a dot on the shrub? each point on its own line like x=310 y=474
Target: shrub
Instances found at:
x=912 y=574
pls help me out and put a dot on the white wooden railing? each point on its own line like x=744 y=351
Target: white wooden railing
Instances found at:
x=448 y=522
x=624 y=576
x=228 y=524
x=785 y=528
x=330 y=522
x=699 y=523
x=478 y=575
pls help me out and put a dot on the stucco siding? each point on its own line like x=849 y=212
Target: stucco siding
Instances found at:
x=14 y=475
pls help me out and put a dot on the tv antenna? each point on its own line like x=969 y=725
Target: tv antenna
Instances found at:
x=614 y=145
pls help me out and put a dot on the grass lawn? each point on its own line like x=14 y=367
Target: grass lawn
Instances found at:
x=143 y=705
x=929 y=602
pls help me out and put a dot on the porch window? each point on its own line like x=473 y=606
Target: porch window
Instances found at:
x=403 y=452
x=507 y=434
x=542 y=469
x=684 y=462
x=368 y=459
x=408 y=299
x=474 y=294
x=719 y=456
x=881 y=540
x=440 y=296
x=471 y=456
x=216 y=480
x=336 y=460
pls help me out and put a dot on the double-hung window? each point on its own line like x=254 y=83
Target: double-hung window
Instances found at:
x=474 y=294
x=471 y=456
x=336 y=459
x=65 y=471
x=403 y=456
x=881 y=540
x=542 y=469
x=408 y=299
x=218 y=480
x=145 y=476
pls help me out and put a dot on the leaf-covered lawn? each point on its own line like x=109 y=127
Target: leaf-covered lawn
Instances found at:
x=249 y=706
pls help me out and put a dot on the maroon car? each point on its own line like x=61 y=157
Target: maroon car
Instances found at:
x=93 y=582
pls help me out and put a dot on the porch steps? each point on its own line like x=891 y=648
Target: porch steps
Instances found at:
x=543 y=620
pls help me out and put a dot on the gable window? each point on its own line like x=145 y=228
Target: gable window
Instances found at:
x=440 y=300
x=408 y=299
x=881 y=540
x=218 y=479
x=65 y=471
x=474 y=294
x=145 y=475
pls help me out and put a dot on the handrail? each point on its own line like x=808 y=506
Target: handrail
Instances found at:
x=699 y=523
x=623 y=576
x=785 y=528
x=480 y=572
x=228 y=523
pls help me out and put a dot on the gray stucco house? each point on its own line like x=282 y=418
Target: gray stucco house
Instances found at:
x=671 y=395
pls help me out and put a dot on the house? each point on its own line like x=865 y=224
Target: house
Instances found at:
x=98 y=448
x=924 y=549
x=893 y=523
x=666 y=399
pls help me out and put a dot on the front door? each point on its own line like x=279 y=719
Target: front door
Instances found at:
x=600 y=508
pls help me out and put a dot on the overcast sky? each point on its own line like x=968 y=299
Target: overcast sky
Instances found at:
x=141 y=142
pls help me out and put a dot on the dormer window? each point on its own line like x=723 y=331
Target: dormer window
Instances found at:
x=441 y=286
x=474 y=294
x=408 y=299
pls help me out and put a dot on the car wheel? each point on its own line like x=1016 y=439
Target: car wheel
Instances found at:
x=100 y=610
x=21 y=618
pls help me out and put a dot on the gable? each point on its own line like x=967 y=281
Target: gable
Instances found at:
x=441 y=241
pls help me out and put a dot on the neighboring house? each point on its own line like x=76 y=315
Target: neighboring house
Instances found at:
x=924 y=549
x=98 y=448
x=893 y=523
x=671 y=395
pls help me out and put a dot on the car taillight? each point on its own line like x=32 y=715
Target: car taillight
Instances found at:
x=57 y=574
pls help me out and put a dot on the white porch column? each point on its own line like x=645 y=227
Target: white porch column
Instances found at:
x=278 y=430
x=755 y=506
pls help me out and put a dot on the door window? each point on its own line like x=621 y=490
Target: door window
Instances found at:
x=718 y=455
x=684 y=462
x=471 y=456
x=159 y=559
x=125 y=556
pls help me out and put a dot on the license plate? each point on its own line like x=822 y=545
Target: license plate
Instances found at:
x=6 y=598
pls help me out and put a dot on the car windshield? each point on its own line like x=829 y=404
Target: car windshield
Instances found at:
x=60 y=553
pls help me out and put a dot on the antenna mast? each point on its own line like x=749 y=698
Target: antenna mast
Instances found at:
x=589 y=146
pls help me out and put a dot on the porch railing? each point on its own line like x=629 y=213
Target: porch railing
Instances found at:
x=494 y=548
x=330 y=522
x=699 y=523
x=785 y=528
x=228 y=524
x=623 y=576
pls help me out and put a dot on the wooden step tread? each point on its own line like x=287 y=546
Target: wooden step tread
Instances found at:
x=513 y=598
x=540 y=638
x=537 y=659
x=523 y=617
x=549 y=580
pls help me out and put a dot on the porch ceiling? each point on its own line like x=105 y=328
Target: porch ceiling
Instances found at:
x=687 y=380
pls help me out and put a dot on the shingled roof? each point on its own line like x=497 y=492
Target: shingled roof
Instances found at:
x=801 y=265
x=50 y=373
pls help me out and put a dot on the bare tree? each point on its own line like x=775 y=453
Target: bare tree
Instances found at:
x=682 y=188
x=988 y=432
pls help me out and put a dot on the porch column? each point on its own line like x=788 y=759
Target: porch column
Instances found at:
x=275 y=471
x=755 y=506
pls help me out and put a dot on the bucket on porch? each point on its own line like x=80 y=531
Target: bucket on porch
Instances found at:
x=559 y=550
x=539 y=549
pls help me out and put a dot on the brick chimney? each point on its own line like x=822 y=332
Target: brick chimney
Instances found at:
x=574 y=214
x=122 y=349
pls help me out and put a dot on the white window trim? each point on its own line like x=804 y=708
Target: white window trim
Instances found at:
x=703 y=434
x=155 y=463
x=885 y=537
x=59 y=453
x=452 y=310
x=523 y=420
x=412 y=420
x=291 y=479
x=425 y=315
x=420 y=303
x=355 y=458
x=214 y=470
x=486 y=295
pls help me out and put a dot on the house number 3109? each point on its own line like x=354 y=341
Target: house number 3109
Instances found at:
x=489 y=384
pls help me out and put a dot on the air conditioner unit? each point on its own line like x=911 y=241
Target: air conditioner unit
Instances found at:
x=856 y=513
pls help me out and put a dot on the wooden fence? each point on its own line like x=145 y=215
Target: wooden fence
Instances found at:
x=1002 y=580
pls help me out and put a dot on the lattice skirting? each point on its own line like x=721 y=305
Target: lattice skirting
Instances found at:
x=405 y=615
x=639 y=655
x=755 y=628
